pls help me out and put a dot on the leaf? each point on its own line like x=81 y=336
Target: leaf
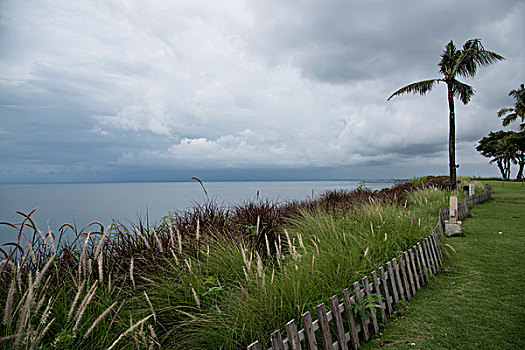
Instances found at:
x=420 y=87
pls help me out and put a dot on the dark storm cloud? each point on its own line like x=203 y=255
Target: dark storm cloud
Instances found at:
x=422 y=149
x=338 y=41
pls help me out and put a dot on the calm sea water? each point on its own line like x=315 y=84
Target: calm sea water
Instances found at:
x=80 y=204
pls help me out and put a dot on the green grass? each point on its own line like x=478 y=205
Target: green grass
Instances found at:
x=480 y=303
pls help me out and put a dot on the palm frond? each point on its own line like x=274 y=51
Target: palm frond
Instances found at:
x=473 y=44
x=519 y=94
x=504 y=111
x=509 y=118
x=448 y=59
x=519 y=97
x=472 y=56
x=463 y=91
x=512 y=114
x=420 y=87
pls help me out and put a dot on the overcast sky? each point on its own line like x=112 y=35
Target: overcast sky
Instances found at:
x=115 y=90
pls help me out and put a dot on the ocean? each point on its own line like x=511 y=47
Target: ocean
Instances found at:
x=80 y=204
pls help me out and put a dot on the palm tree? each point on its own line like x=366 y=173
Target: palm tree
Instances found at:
x=511 y=114
x=455 y=63
x=518 y=138
x=489 y=147
x=506 y=153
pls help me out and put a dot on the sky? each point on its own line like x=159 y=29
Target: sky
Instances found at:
x=160 y=90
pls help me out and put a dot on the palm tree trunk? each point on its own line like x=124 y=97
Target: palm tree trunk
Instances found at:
x=506 y=168
x=501 y=169
x=521 y=162
x=451 y=138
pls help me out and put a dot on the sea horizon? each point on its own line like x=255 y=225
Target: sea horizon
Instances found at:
x=372 y=180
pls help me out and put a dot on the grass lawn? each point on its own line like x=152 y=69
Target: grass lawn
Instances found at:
x=480 y=302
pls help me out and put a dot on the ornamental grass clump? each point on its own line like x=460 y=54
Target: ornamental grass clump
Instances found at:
x=52 y=304
x=232 y=295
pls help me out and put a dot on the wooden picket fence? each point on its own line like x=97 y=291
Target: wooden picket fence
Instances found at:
x=374 y=296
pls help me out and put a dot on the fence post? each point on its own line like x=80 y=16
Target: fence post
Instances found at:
x=384 y=282
x=359 y=301
x=453 y=213
x=392 y=279
x=324 y=326
x=338 y=320
x=309 y=331
x=453 y=225
x=403 y=273
x=293 y=335
x=413 y=258
x=351 y=318
x=368 y=291
x=277 y=340
x=408 y=264
x=377 y=290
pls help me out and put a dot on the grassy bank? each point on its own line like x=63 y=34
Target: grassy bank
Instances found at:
x=479 y=301
x=211 y=278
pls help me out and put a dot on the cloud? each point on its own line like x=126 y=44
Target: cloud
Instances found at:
x=88 y=86
x=340 y=41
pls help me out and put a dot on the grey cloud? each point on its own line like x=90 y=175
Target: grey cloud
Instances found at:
x=103 y=91
x=338 y=41
x=421 y=149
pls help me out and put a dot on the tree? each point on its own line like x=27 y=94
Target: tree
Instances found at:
x=505 y=153
x=455 y=63
x=518 y=139
x=504 y=148
x=489 y=147
x=511 y=114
